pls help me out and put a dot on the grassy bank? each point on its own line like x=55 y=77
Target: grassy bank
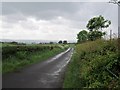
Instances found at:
x=17 y=57
x=94 y=65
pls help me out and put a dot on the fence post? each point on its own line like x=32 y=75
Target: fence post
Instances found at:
x=118 y=40
x=110 y=35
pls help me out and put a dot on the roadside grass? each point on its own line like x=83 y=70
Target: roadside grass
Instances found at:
x=90 y=66
x=23 y=58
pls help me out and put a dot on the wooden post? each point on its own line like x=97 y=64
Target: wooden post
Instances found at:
x=118 y=40
x=110 y=35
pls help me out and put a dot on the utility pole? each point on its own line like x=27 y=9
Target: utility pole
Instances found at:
x=118 y=3
x=119 y=39
x=110 y=35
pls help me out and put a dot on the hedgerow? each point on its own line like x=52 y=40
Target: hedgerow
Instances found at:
x=94 y=64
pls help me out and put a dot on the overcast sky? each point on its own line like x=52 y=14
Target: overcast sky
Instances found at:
x=52 y=20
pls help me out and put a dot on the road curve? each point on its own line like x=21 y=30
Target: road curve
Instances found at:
x=46 y=74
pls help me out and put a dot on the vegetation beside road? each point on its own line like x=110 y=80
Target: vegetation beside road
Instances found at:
x=95 y=64
x=15 y=57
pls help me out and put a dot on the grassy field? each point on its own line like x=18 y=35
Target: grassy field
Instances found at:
x=15 y=57
x=94 y=64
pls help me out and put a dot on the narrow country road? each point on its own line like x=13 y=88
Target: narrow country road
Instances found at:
x=46 y=74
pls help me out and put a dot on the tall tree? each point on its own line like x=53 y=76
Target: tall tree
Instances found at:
x=97 y=23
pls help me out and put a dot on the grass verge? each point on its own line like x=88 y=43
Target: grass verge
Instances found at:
x=21 y=59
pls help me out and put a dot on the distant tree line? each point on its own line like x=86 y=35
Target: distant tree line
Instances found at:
x=14 y=43
x=18 y=43
x=94 y=26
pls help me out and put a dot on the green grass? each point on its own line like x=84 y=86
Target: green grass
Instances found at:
x=23 y=58
x=87 y=69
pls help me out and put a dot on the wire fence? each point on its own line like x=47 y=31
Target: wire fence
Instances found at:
x=114 y=36
x=111 y=36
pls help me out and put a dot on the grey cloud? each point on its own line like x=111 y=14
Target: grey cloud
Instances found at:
x=82 y=11
x=77 y=14
x=14 y=18
x=48 y=10
x=36 y=7
x=41 y=10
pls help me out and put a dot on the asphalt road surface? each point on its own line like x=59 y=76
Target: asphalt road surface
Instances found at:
x=46 y=74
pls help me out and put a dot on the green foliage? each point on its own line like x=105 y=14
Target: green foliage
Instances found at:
x=64 y=42
x=93 y=35
x=82 y=36
x=87 y=68
x=16 y=57
x=8 y=51
x=96 y=23
x=60 y=42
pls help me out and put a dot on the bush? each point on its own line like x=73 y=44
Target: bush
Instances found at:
x=8 y=51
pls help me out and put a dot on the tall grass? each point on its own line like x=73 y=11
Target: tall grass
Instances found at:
x=91 y=65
